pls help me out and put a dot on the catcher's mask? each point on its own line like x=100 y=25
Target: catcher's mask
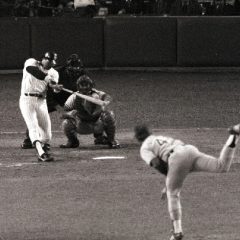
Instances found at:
x=85 y=84
x=141 y=132
x=74 y=65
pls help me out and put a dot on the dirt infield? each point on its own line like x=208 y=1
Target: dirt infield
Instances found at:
x=78 y=197
x=163 y=100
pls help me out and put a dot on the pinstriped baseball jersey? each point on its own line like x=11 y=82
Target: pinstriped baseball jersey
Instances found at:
x=33 y=107
x=158 y=146
x=31 y=84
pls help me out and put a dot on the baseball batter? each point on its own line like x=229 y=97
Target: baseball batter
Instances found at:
x=37 y=77
x=176 y=160
x=68 y=75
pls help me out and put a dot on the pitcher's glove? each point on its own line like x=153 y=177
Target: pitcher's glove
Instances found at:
x=160 y=165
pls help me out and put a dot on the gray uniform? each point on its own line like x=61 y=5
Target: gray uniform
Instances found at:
x=181 y=159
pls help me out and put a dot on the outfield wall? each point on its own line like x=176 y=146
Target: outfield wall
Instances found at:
x=140 y=42
x=211 y=41
x=124 y=41
x=14 y=42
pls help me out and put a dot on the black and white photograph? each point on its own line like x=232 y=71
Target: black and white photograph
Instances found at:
x=120 y=119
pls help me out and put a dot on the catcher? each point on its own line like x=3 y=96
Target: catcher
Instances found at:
x=84 y=117
x=68 y=75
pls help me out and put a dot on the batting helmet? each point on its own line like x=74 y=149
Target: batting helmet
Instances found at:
x=85 y=84
x=141 y=132
x=51 y=56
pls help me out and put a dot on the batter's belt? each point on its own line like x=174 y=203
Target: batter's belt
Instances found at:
x=39 y=95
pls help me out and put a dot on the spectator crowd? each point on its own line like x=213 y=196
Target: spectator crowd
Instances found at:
x=92 y=8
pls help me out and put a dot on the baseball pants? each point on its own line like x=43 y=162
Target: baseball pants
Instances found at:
x=35 y=113
x=186 y=159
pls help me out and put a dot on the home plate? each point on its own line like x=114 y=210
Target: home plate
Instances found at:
x=108 y=157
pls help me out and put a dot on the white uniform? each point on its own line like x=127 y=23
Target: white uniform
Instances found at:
x=33 y=103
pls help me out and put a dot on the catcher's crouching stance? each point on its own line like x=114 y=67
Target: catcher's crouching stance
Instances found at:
x=84 y=117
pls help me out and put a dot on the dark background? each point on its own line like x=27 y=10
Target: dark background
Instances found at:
x=124 y=42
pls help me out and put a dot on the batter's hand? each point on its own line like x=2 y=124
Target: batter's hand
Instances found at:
x=49 y=79
x=57 y=87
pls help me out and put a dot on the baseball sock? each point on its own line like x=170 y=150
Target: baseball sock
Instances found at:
x=232 y=141
x=177 y=226
x=38 y=146
x=227 y=153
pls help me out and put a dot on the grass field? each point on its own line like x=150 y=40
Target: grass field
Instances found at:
x=78 y=197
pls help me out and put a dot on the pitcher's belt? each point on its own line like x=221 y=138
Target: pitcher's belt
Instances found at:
x=172 y=151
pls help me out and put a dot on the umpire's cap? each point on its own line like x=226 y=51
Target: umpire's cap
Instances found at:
x=51 y=56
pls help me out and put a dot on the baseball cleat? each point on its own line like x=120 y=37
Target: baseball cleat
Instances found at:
x=27 y=144
x=102 y=140
x=235 y=130
x=46 y=147
x=70 y=145
x=45 y=157
x=176 y=236
x=114 y=144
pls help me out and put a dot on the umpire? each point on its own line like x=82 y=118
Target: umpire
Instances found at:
x=68 y=75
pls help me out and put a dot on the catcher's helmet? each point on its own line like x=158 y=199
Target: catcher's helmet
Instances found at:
x=51 y=56
x=85 y=84
x=141 y=132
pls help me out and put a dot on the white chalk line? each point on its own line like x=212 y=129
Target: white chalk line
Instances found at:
x=16 y=164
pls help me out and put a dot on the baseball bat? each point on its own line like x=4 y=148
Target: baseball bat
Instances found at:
x=88 y=98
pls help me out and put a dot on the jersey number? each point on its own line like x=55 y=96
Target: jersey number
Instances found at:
x=161 y=142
